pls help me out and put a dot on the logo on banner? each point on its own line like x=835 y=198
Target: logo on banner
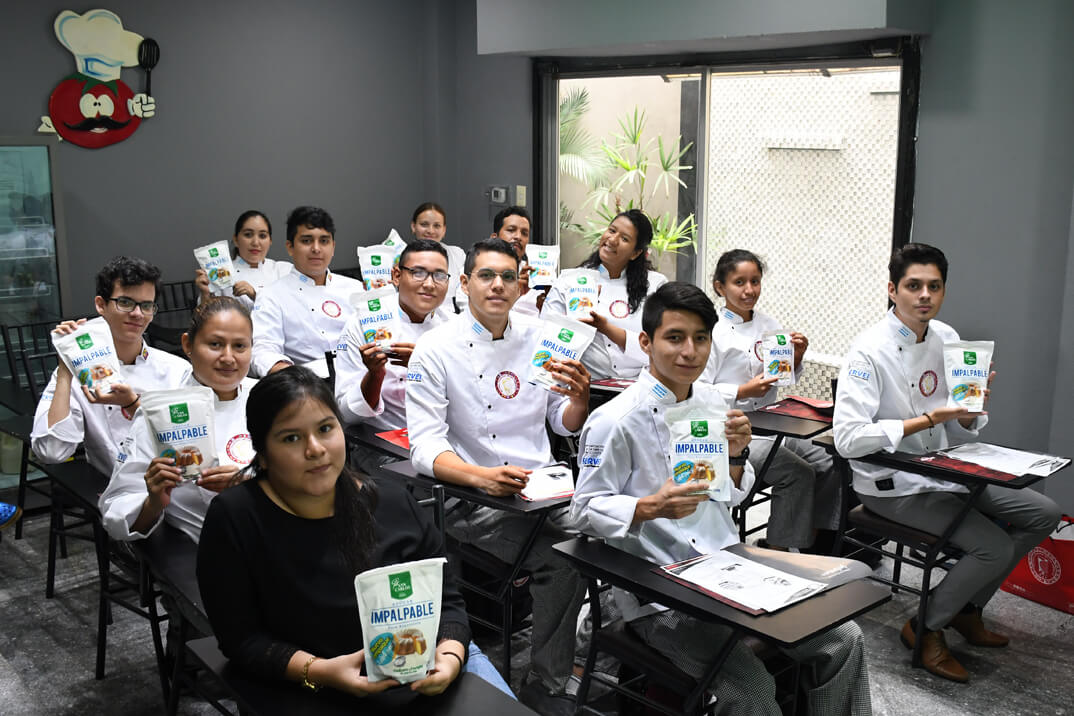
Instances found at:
x=619 y=309
x=331 y=309
x=1043 y=565
x=507 y=384
x=927 y=383
x=240 y=450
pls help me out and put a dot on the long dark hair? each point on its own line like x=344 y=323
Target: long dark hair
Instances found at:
x=241 y=222
x=354 y=506
x=637 y=271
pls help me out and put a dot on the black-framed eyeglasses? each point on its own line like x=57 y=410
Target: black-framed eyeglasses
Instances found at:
x=488 y=276
x=127 y=305
x=421 y=274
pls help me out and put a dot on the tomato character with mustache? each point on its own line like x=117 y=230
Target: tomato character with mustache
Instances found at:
x=94 y=114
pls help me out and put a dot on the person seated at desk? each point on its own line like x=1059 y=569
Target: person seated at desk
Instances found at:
x=474 y=420
x=625 y=494
x=512 y=224
x=299 y=318
x=279 y=553
x=67 y=417
x=370 y=384
x=249 y=257
x=430 y=222
x=805 y=494
x=893 y=396
x=626 y=278
x=146 y=488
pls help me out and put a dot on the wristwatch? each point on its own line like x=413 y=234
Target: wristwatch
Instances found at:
x=740 y=459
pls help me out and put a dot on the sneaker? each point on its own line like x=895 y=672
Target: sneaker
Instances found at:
x=545 y=702
x=9 y=514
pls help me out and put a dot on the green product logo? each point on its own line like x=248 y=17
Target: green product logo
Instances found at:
x=84 y=341
x=214 y=252
x=400 y=585
x=781 y=339
x=179 y=412
x=375 y=260
x=374 y=305
x=566 y=335
x=699 y=428
x=543 y=254
x=582 y=280
x=969 y=357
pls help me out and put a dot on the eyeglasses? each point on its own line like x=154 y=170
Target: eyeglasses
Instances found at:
x=488 y=276
x=127 y=305
x=420 y=274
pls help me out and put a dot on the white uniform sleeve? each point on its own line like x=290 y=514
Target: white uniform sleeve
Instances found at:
x=122 y=500
x=56 y=444
x=599 y=506
x=554 y=303
x=557 y=405
x=268 y=336
x=856 y=433
x=426 y=410
x=729 y=391
x=350 y=372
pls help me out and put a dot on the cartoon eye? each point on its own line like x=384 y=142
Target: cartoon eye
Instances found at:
x=92 y=105
x=107 y=106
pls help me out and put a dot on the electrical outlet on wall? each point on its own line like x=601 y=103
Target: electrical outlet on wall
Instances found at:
x=497 y=195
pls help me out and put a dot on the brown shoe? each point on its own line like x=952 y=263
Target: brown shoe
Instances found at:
x=935 y=656
x=971 y=626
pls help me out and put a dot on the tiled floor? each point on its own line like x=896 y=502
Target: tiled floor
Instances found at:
x=47 y=651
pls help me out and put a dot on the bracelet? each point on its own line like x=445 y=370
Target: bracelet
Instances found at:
x=136 y=399
x=928 y=417
x=451 y=653
x=306 y=675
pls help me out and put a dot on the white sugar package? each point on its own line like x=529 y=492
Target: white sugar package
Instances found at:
x=377 y=315
x=90 y=355
x=376 y=263
x=216 y=260
x=399 y=606
x=966 y=365
x=777 y=356
x=581 y=288
x=559 y=338
x=699 y=448
x=181 y=423
x=396 y=243
x=545 y=262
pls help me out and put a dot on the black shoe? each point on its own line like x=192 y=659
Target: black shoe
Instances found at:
x=544 y=702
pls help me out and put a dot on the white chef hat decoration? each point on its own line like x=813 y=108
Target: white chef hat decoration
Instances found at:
x=98 y=41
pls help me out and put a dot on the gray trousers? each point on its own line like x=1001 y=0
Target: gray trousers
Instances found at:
x=991 y=551
x=805 y=490
x=555 y=586
x=834 y=673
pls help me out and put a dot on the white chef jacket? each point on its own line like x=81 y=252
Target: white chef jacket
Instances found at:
x=295 y=320
x=390 y=411
x=736 y=356
x=469 y=394
x=890 y=377
x=267 y=272
x=624 y=455
x=101 y=428
x=603 y=357
x=122 y=500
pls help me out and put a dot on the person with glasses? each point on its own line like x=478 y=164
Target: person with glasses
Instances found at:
x=70 y=415
x=475 y=420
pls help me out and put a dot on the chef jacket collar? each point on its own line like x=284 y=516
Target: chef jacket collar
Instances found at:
x=655 y=391
x=306 y=279
x=478 y=331
x=899 y=331
x=726 y=314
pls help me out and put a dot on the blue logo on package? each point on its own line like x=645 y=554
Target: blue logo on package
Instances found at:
x=382 y=648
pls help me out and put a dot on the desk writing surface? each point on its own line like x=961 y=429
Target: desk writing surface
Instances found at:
x=763 y=423
x=405 y=469
x=366 y=434
x=913 y=463
x=788 y=627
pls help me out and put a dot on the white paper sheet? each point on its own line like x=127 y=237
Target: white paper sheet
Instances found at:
x=548 y=482
x=1016 y=462
x=747 y=582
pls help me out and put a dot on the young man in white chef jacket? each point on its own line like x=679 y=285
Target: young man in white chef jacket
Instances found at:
x=627 y=496
x=69 y=414
x=893 y=396
x=474 y=420
x=300 y=317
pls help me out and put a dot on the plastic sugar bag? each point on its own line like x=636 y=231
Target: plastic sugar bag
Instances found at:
x=699 y=447
x=90 y=355
x=559 y=338
x=545 y=259
x=181 y=422
x=399 y=606
x=377 y=313
x=376 y=262
x=396 y=243
x=216 y=260
x=966 y=365
x=580 y=292
x=777 y=357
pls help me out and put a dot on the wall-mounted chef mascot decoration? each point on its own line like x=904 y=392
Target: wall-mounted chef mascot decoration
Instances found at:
x=94 y=107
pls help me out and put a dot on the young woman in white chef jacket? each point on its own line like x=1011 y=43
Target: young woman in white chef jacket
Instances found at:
x=249 y=257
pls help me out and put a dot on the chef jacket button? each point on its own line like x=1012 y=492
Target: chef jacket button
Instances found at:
x=505 y=462
x=490 y=407
x=493 y=436
x=481 y=377
x=654 y=410
x=471 y=345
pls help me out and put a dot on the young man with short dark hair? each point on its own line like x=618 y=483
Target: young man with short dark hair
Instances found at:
x=893 y=396
x=626 y=495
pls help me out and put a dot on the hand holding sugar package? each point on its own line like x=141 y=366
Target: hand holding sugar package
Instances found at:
x=376 y=263
x=699 y=448
x=399 y=606
x=545 y=262
x=377 y=313
x=216 y=260
x=559 y=338
x=581 y=289
x=181 y=423
x=967 y=365
x=777 y=356
x=90 y=355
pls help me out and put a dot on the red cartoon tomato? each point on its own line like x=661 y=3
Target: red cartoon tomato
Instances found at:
x=91 y=113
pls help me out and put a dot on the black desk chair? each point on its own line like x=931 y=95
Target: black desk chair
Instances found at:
x=36 y=369
x=177 y=295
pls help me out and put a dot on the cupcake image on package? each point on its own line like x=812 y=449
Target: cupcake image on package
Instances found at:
x=90 y=355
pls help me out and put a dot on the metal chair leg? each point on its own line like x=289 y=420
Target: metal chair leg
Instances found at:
x=53 y=528
x=23 y=471
x=104 y=611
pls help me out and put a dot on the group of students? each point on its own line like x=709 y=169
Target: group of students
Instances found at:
x=286 y=519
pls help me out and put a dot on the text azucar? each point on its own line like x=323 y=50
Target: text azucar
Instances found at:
x=167 y=437
x=392 y=615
